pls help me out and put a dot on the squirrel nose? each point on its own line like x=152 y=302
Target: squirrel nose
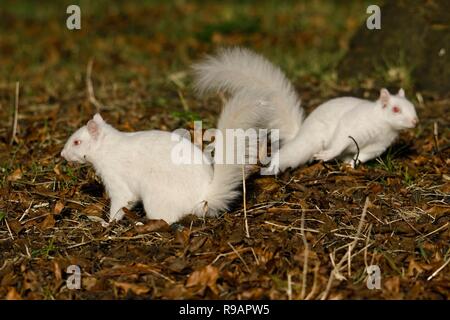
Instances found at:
x=415 y=121
x=62 y=154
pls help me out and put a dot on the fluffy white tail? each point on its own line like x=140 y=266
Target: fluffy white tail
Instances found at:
x=261 y=97
x=258 y=83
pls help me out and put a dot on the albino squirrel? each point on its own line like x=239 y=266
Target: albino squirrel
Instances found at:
x=325 y=133
x=138 y=166
x=332 y=129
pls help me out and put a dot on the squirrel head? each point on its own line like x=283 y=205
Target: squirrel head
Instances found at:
x=398 y=111
x=82 y=143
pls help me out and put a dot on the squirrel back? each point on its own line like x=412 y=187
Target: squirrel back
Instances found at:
x=347 y=126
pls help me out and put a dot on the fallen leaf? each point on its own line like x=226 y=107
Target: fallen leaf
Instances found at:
x=48 y=223
x=153 y=225
x=197 y=243
x=57 y=170
x=206 y=277
x=95 y=209
x=59 y=206
x=135 y=288
x=15 y=226
x=414 y=268
x=176 y=264
x=392 y=284
x=13 y=294
x=57 y=271
x=89 y=283
x=15 y=175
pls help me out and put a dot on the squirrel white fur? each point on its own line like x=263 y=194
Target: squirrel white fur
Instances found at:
x=138 y=166
x=328 y=132
x=325 y=133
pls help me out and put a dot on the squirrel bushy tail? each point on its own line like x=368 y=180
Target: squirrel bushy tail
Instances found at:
x=261 y=97
x=242 y=72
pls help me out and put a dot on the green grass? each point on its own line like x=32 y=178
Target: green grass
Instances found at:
x=304 y=38
x=46 y=251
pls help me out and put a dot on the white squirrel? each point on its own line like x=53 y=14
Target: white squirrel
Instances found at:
x=138 y=166
x=334 y=128
x=258 y=87
x=324 y=134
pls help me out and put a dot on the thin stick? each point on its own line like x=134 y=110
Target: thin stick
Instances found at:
x=90 y=88
x=183 y=101
x=357 y=153
x=305 y=259
x=16 y=115
x=435 y=136
x=289 y=228
x=314 y=286
x=247 y=233
x=240 y=257
x=434 y=231
x=223 y=255
x=9 y=230
x=439 y=270
x=336 y=269
x=349 y=262
x=289 y=288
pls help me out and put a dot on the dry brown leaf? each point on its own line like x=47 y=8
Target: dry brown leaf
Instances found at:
x=152 y=226
x=89 y=283
x=57 y=271
x=182 y=236
x=48 y=223
x=135 y=288
x=13 y=294
x=15 y=175
x=15 y=226
x=95 y=209
x=59 y=206
x=392 y=284
x=413 y=268
x=438 y=211
x=56 y=169
x=206 y=277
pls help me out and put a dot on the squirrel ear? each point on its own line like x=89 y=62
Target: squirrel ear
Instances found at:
x=401 y=93
x=384 y=97
x=93 y=128
x=98 y=118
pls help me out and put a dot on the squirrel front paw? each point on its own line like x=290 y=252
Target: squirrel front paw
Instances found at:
x=272 y=169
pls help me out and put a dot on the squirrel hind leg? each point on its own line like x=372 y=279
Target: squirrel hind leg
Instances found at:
x=201 y=209
x=116 y=212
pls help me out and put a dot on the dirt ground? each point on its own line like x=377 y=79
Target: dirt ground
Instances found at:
x=393 y=212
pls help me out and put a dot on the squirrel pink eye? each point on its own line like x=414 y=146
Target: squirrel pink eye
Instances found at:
x=77 y=142
x=396 y=109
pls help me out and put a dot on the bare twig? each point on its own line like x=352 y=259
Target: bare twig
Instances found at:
x=16 y=115
x=439 y=270
x=434 y=231
x=435 y=137
x=289 y=288
x=240 y=257
x=336 y=270
x=244 y=196
x=90 y=88
x=314 y=286
x=284 y=227
x=305 y=259
x=357 y=151
x=183 y=101
x=223 y=255
x=9 y=229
